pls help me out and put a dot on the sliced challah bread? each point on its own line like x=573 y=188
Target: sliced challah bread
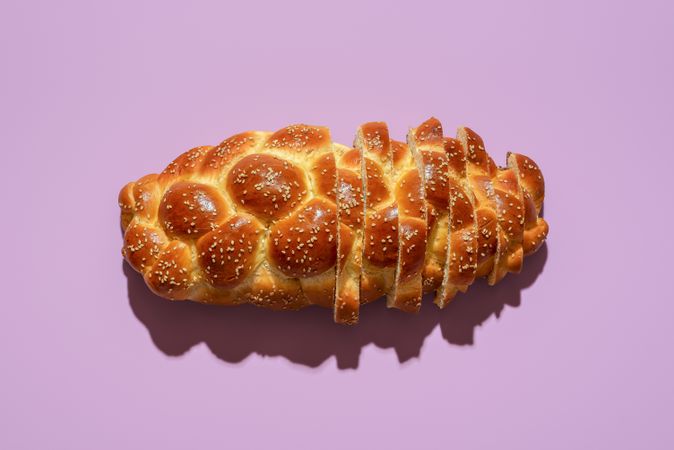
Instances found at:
x=289 y=219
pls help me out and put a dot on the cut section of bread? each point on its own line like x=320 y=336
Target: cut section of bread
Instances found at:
x=510 y=211
x=531 y=182
x=350 y=221
x=480 y=172
x=380 y=235
x=462 y=254
x=409 y=195
x=427 y=142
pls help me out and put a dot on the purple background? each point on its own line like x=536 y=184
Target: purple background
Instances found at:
x=576 y=352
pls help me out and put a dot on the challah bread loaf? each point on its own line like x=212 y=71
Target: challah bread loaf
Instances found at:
x=289 y=219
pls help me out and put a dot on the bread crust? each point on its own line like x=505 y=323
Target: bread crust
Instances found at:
x=288 y=219
x=380 y=232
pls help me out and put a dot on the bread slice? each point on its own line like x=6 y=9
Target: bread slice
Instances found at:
x=409 y=195
x=350 y=221
x=480 y=169
x=532 y=185
x=510 y=211
x=462 y=252
x=380 y=234
x=427 y=142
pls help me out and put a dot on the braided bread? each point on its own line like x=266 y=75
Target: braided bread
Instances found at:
x=289 y=219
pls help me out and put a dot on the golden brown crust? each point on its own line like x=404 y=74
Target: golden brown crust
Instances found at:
x=530 y=177
x=271 y=291
x=376 y=182
x=412 y=228
x=190 y=210
x=126 y=204
x=436 y=178
x=476 y=154
x=187 y=164
x=462 y=258
x=173 y=275
x=381 y=238
x=380 y=234
x=289 y=219
x=456 y=157
x=532 y=186
x=535 y=236
x=227 y=254
x=510 y=211
x=350 y=221
x=350 y=196
x=266 y=186
x=324 y=177
x=142 y=244
x=221 y=205
x=300 y=139
x=481 y=174
x=412 y=240
x=304 y=244
x=345 y=238
x=428 y=142
x=223 y=154
x=146 y=196
x=347 y=308
x=462 y=253
x=486 y=240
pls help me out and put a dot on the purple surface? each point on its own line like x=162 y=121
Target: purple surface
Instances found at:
x=576 y=352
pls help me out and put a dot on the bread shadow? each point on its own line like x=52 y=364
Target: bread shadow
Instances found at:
x=309 y=337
